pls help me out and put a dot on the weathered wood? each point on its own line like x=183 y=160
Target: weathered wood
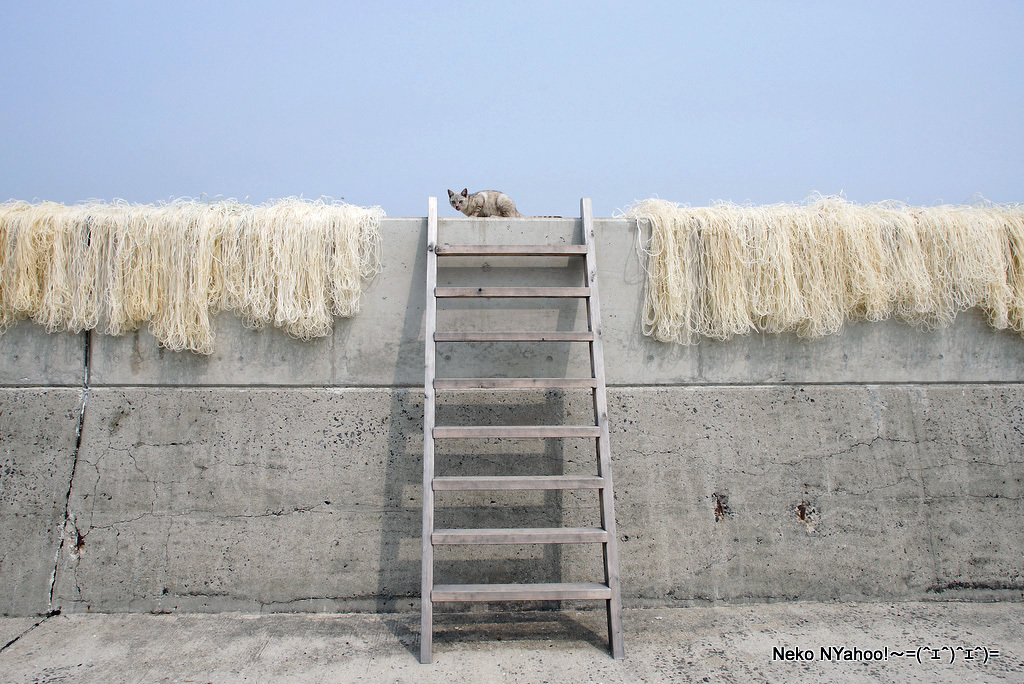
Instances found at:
x=514 y=483
x=611 y=555
x=427 y=567
x=515 y=431
x=520 y=592
x=511 y=292
x=513 y=383
x=602 y=482
x=511 y=250
x=552 y=336
x=522 y=535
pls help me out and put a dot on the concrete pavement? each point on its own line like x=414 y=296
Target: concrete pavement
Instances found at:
x=774 y=643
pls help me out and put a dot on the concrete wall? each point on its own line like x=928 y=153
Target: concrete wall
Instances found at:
x=883 y=463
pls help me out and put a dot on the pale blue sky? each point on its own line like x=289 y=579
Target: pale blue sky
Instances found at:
x=389 y=102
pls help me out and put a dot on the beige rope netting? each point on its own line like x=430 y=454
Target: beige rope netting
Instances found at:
x=294 y=263
x=729 y=270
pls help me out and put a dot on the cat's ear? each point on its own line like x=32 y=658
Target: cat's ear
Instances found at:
x=450 y=193
x=465 y=192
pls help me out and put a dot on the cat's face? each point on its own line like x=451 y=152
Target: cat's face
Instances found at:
x=458 y=200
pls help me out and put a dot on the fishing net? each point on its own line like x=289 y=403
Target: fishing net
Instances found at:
x=294 y=263
x=728 y=270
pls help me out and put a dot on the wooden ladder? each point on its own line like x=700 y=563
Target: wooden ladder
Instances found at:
x=602 y=481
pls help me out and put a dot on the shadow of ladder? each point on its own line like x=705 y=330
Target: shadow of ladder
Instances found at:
x=602 y=482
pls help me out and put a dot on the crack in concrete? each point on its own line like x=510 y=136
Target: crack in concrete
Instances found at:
x=68 y=518
x=25 y=633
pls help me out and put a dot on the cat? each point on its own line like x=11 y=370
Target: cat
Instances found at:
x=483 y=203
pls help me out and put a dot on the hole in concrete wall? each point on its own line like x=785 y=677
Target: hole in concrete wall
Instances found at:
x=807 y=515
x=721 y=505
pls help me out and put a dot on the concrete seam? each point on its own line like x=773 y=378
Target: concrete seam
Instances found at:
x=74 y=467
x=644 y=386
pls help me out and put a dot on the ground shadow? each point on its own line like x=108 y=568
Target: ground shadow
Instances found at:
x=453 y=628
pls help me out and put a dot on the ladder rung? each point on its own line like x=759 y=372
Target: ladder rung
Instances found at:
x=553 y=336
x=522 y=535
x=507 y=482
x=517 y=292
x=520 y=592
x=515 y=431
x=510 y=250
x=513 y=383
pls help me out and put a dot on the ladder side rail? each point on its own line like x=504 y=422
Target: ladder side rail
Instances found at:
x=430 y=358
x=611 y=560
